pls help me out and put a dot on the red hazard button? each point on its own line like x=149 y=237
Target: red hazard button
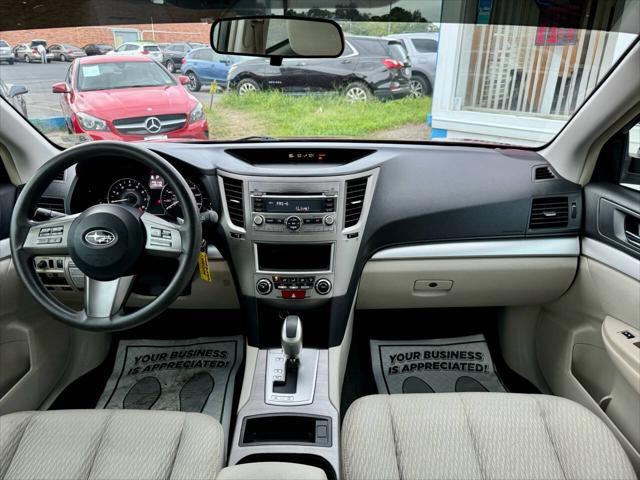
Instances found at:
x=293 y=294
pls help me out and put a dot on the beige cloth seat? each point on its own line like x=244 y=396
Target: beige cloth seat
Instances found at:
x=478 y=436
x=110 y=444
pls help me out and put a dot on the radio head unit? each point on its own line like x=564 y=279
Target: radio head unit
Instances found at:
x=294 y=213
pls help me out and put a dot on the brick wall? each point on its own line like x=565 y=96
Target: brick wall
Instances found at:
x=80 y=36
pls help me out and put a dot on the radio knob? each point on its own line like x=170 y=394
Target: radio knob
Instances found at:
x=258 y=220
x=323 y=286
x=293 y=223
x=329 y=220
x=264 y=286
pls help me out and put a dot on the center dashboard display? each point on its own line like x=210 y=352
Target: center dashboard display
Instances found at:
x=293 y=205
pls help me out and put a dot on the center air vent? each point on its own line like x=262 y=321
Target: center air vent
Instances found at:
x=356 y=190
x=544 y=173
x=233 y=195
x=549 y=212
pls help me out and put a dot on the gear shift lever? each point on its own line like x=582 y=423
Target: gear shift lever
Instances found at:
x=291 y=337
x=291 y=340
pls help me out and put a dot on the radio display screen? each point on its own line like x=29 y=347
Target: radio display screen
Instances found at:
x=293 y=205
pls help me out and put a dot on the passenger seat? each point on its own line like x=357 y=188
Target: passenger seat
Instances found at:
x=478 y=436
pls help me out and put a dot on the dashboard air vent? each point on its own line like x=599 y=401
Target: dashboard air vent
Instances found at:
x=356 y=190
x=51 y=203
x=233 y=195
x=549 y=212
x=544 y=173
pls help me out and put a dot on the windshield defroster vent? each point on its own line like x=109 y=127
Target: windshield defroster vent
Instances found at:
x=544 y=173
x=233 y=195
x=356 y=190
x=549 y=212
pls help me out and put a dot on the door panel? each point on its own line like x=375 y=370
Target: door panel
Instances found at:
x=576 y=336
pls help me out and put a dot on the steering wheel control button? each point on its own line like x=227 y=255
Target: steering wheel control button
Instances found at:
x=258 y=220
x=264 y=286
x=323 y=286
x=293 y=223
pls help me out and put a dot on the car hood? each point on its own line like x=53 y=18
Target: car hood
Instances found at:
x=135 y=102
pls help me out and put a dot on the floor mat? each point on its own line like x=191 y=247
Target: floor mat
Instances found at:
x=195 y=375
x=460 y=364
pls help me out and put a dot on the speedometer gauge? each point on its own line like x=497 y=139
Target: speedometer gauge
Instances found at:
x=129 y=191
x=170 y=201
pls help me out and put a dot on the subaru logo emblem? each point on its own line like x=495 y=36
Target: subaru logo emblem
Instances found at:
x=100 y=237
x=153 y=124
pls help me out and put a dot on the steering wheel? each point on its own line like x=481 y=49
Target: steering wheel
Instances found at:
x=105 y=242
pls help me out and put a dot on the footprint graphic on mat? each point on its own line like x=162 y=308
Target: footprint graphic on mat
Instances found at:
x=416 y=385
x=195 y=392
x=143 y=394
x=468 y=384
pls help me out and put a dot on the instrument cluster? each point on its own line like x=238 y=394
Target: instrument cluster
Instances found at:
x=148 y=191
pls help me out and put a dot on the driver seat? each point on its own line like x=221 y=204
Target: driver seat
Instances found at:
x=110 y=444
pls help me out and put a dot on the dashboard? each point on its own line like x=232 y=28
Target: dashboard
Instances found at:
x=314 y=227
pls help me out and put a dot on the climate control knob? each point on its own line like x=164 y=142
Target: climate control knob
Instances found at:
x=264 y=286
x=323 y=286
x=293 y=223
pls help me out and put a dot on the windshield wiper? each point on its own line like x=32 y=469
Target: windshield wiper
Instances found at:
x=256 y=138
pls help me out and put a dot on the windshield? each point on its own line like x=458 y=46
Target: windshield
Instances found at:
x=403 y=75
x=112 y=75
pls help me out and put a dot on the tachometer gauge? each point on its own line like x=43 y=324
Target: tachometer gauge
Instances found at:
x=129 y=191
x=170 y=201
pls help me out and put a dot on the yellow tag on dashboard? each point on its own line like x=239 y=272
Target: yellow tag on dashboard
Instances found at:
x=203 y=266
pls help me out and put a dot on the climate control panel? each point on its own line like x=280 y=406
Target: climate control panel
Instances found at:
x=293 y=287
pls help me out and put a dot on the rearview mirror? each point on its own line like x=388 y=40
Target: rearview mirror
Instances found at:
x=277 y=37
x=183 y=79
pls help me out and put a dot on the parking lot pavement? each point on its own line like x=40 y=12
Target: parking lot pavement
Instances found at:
x=38 y=78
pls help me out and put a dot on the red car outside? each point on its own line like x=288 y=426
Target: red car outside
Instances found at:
x=129 y=99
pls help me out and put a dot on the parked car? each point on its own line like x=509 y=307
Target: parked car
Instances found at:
x=14 y=95
x=175 y=53
x=369 y=67
x=97 y=49
x=129 y=98
x=5 y=53
x=204 y=66
x=25 y=52
x=150 y=49
x=65 y=52
x=423 y=51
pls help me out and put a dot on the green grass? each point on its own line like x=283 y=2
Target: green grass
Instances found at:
x=279 y=115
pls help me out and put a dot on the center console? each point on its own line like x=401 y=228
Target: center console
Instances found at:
x=293 y=242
